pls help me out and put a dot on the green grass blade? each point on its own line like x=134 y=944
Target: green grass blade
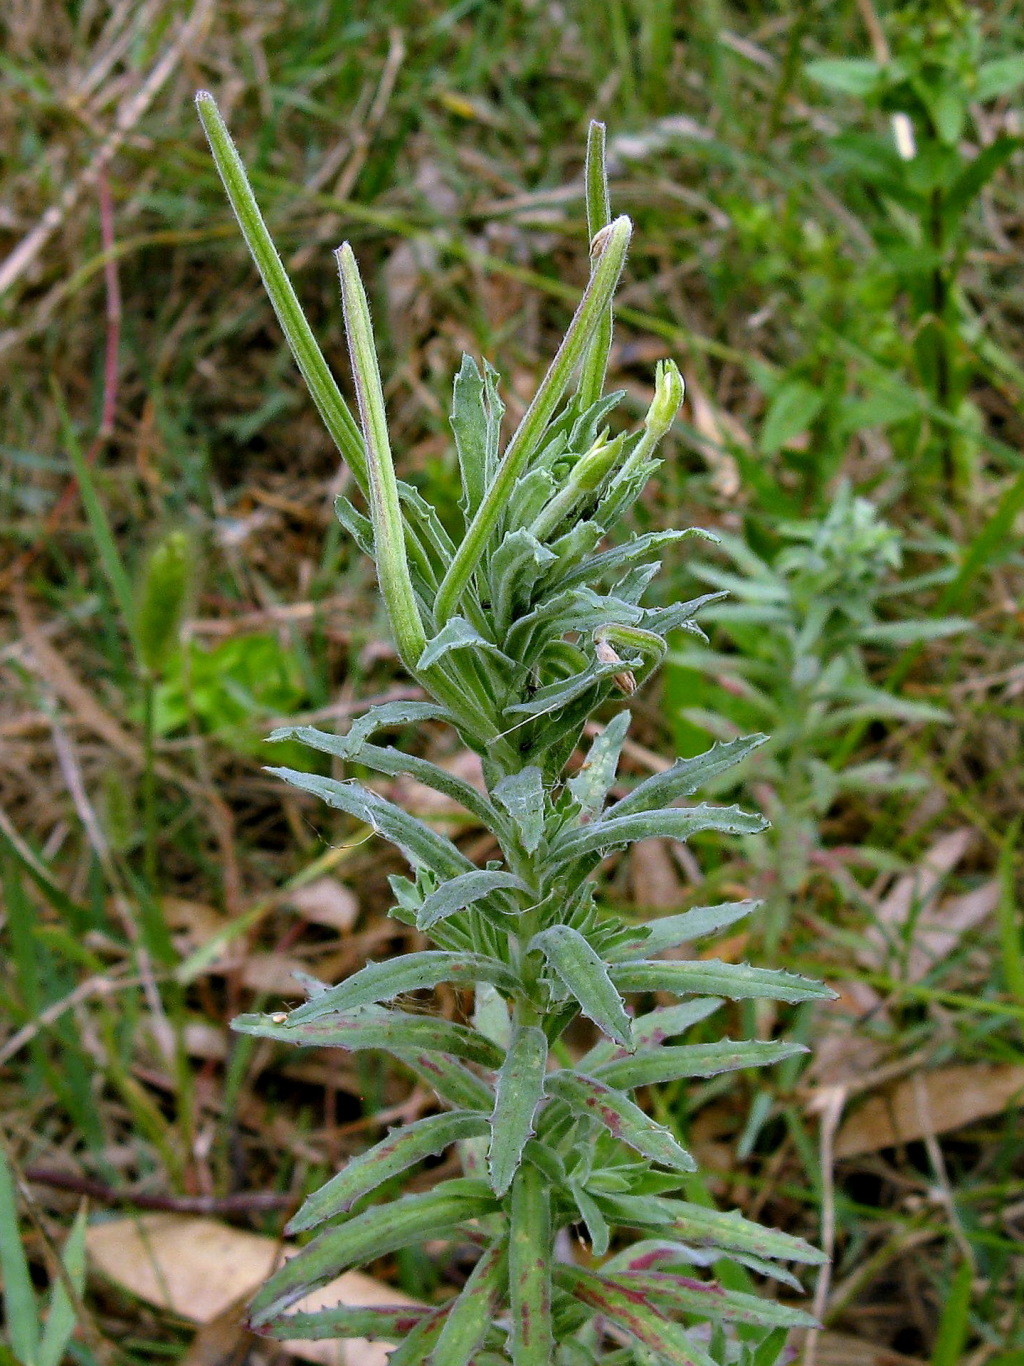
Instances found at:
x=21 y=1312
x=951 y=1337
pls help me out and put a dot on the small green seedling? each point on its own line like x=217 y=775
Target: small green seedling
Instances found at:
x=518 y=632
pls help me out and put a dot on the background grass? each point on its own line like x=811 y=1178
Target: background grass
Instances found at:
x=141 y=360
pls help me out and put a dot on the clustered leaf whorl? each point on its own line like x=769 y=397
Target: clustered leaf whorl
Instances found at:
x=518 y=633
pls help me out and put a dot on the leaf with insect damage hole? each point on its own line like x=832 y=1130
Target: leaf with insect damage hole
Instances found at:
x=470 y=1316
x=411 y=972
x=634 y=1312
x=685 y=777
x=590 y=785
x=394 y=1031
x=519 y=1089
x=621 y=1117
x=529 y=1269
x=711 y=977
x=686 y=1295
x=375 y=1232
x=462 y=891
x=676 y=823
x=400 y=1150
x=671 y=1063
x=672 y=930
x=522 y=796
x=580 y=969
x=476 y=422
x=423 y=847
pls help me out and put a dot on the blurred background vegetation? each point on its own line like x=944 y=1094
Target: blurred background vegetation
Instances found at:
x=829 y=200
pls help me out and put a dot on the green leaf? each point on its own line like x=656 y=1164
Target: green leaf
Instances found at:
x=684 y=1295
x=394 y=1031
x=903 y=633
x=597 y=1224
x=21 y=1313
x=410 y=972
x=393 y=762
x=378 y=1323
x=678 y=823
x=515 y=568
x=652 y=1029
x=590 y=785
x=422 y=846
x=954 y=1324
x=469 y=1318
x=520 y=1087
x=462 y=891
x=849 y=75
x=672 y=930
x=375 y=1232
x=729 y=1231
x=1000 y=76
x=477 y=413
x=417 y=1345
x=793 y=408
x=554 y=696
x=693 y=1060
x=456 y=634
x=685 y=777
x=396 y=1153
x=584 y=974
x=449 y=1080
x=522 y=796
x=712 y=977
x=529 y=1269
x=621 y=1117
x=61 y=1315
x=633 y=1311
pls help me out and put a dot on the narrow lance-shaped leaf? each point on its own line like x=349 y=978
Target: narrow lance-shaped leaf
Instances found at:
x=730 y=1231
x=633 y=1311
x=395 y=1031
x=376 y=1231
x=693 y=1060
x=469 y=1318
x=62 y=1314
x=386 y=759
x=672 y=930
x=377 y=1323
x=520 y=1087
x=621 y=1117
x=710 y=977
x=396 y=1153
x=685 y=777
x=683 y=1294
x=522 y=796
x=529 y=1269
x=584 y=974
x=422 y=846
x=449 y=1080
x=590 y=785
x=462 y=891
x=652 y=1029
x=676 y=823
x=412 y=972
